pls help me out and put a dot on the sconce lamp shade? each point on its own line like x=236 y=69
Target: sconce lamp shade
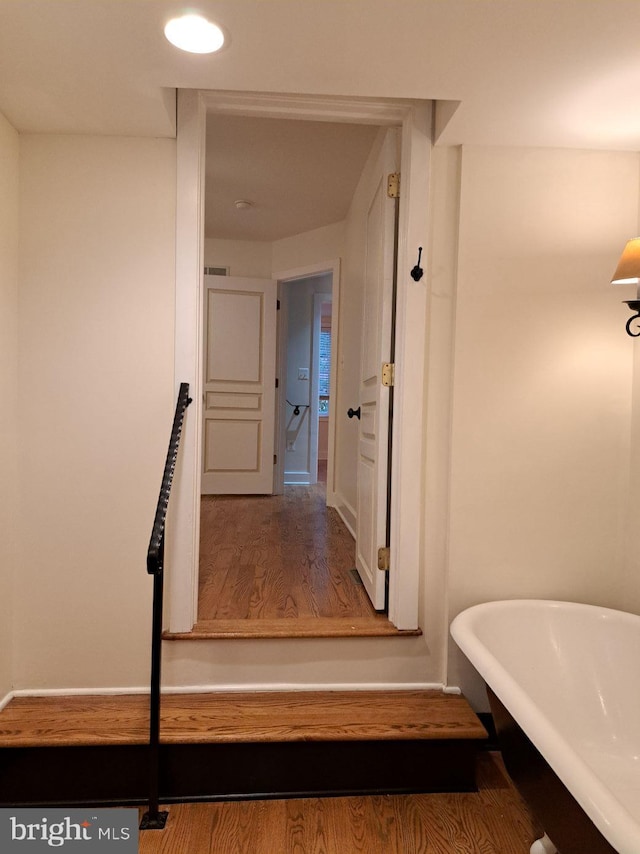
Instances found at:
x=628 y=269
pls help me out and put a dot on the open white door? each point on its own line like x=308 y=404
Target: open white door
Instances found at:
x=238 y=385
x=371 y=529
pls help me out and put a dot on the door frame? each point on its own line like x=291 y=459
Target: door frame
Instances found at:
x=408 y=490
x=283 y=277
x=319 y=300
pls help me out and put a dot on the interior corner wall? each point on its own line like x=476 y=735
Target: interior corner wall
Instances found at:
x=9 y=495
x=96 y=398
x=308 y=248
x=541 y=417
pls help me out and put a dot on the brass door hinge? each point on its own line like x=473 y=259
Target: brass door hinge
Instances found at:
x=393 y=185
x=388 y=374
x=384 y=556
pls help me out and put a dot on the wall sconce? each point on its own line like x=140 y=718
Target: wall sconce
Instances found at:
x=628 y=273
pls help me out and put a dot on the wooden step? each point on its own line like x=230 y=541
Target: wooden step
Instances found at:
x=374 y=626
x=237 y=745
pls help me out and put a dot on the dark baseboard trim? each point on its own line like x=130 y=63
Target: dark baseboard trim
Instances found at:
x=66 y=776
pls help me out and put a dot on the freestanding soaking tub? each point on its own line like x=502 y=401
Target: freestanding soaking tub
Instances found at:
x=563 y=681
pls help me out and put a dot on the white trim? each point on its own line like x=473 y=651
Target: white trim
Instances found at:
x=299 y=477
x=316 y=319
x=407 y=462
x=312 y=271
x=317 y=108
x=408 y=451
x=348 y=515
x=7 y=699
x=79 y=692
x=234 y=688
x=183 y=522
x=333 y=384
x=279 y=440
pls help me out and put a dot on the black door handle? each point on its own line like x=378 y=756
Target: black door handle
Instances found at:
x=352 y=412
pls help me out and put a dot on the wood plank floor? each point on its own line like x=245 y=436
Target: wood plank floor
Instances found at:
x=493 y=820
x=279 y=566
x=239 y=717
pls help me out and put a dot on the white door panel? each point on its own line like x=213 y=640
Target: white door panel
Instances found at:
x=239 y=385
x=371 y=529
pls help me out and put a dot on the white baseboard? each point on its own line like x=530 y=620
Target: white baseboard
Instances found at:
x=102 y=691
x=213 y=689
x=346 y=513
x=300 y=477
x=6 y=700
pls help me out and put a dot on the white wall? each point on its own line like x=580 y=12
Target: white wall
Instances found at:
x=243 y=257
x=311 y=247
x=628 y=596
x=96 y=389
x=9 y=494
x=529 y=395
x=540 y=441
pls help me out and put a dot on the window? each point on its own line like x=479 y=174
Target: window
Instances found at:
x=324 y=371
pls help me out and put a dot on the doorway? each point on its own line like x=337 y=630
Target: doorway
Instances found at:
x=414 y=118
x=280 y=564
x=317 y=572
x=306 y=353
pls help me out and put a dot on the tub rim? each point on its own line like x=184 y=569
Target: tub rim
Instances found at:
x=612 y=819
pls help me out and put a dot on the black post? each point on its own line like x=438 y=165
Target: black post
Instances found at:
x=153 y=819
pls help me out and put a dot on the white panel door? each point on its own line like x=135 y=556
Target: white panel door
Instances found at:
x=371 y=528
x=238 y=385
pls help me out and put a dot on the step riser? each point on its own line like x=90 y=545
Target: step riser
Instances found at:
x=118 y=774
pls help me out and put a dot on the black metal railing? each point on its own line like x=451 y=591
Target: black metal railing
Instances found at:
x=153 y=819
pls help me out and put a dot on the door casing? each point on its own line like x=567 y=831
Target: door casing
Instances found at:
x=283 y=278
x=408 y=481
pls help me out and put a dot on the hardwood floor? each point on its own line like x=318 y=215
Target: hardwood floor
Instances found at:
x=280 y=565
x=493 y=820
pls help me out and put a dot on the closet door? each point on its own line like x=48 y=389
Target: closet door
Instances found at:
x=239 y=385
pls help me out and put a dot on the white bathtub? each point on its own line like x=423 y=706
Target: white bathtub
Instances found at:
x=569 y=675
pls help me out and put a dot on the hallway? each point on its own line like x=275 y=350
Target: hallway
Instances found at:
x=280 y=565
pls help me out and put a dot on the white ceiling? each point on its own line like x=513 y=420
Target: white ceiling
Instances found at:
x=526 y=72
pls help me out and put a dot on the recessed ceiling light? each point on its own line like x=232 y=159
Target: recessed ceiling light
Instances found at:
x=243 y=204
x=195 y=34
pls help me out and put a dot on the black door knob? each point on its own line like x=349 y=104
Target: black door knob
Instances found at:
x=354 y=412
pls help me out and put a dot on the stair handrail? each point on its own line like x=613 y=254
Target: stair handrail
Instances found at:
x=155 y=551
x=153 y=819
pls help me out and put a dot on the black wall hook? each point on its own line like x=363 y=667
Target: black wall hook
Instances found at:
x=417 y=273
